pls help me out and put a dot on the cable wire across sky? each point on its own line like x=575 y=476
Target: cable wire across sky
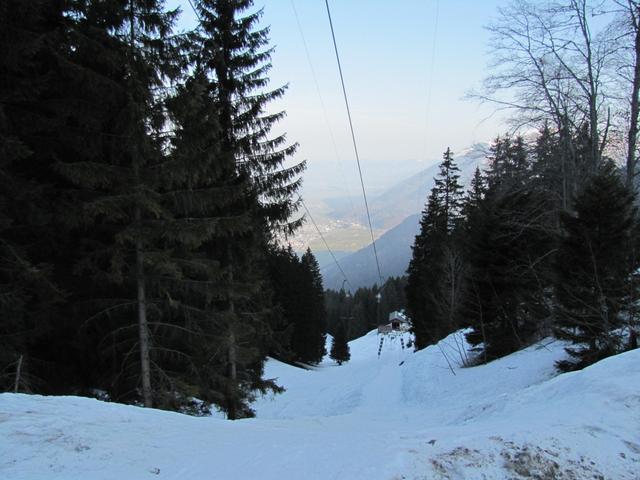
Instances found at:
x=308 y=212
x=326 y=244
x=355 y=145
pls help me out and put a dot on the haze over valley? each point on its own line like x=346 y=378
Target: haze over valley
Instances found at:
x=395 y=203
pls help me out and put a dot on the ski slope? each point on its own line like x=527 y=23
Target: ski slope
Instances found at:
x=402 y=415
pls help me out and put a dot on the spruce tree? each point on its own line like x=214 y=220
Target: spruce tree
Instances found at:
x=200 y=190
x=546 y=167
x=41 y=100
x=234 y=55
x=299 y=301
x=448 y=189
x=593 y=269
x=14 y=264
x=508 y=248
x=430 y=277
x=508 y=253
x=339 y=347
x=474 y=195
x=286 y=279
x=339 y=306
x=420 y=276
x=124 y=48
x=235 y=50
x=509 y=163
x=312 y=326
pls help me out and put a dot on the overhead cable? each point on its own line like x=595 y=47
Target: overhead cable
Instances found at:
x=195 y=11
x=326 y=244
x=300 y=198
x=353 y=138
x=324 y=109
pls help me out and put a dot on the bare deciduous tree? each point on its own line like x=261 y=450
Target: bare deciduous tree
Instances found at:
x=549 y=66
x=627 y=72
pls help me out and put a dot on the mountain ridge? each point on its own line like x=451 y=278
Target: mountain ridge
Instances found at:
x=394 y=246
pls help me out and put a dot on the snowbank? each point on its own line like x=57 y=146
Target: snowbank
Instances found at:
x=400 y=415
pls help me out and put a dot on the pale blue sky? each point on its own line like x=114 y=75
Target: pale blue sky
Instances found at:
x=407 y=64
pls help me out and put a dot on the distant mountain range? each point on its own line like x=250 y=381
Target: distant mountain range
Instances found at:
x=408 y=196
x=399 y=208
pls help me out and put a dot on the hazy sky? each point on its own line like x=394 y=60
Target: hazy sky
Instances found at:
x=407 y=66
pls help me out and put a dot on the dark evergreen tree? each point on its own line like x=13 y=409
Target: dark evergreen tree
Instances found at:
x=339 y=346
x=47 y=114
x=125 y=47
x=546 y=167
x=593 y=269
x=363 y=312
x=508 y=248
x=419 y=274
x=393 y=296
x=430 y=276
x=509 y=163
x=299 y=301
x=449 y=191
x=475 y=194
x=340 y=308
x=234 y=50
x=506 y=297
x=310 y=332
x=202 y=191
x=24 y=31
x=285 y=275
x=157 y=237
x=233 y=53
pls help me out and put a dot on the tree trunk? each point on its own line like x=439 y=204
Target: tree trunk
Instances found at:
x=232 y=410
x=143 y=327
x=18 y=374
x=635 y=104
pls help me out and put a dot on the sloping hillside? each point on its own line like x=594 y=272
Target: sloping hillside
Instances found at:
x=408 y=195
x=397 y=210
x=402 y=415
x=394 y=253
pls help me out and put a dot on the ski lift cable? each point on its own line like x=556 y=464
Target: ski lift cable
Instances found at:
x=322 y=104
x=300 y=198
x=353 y=138
x=419 y=197
x=325 y=243
x=332 y=138
x=195 y=11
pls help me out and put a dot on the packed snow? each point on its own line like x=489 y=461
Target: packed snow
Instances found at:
x=397 y=415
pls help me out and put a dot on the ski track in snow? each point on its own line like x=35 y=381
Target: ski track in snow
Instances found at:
x=403 y=415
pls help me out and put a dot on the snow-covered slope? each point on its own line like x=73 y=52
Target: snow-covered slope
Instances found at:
x=402 y=415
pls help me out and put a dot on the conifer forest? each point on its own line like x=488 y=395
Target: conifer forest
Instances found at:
x=142 y=195
x=148 y=201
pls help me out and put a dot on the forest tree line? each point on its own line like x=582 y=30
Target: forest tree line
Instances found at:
x=363 y=310
x=545 y=240
x=142 y=196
